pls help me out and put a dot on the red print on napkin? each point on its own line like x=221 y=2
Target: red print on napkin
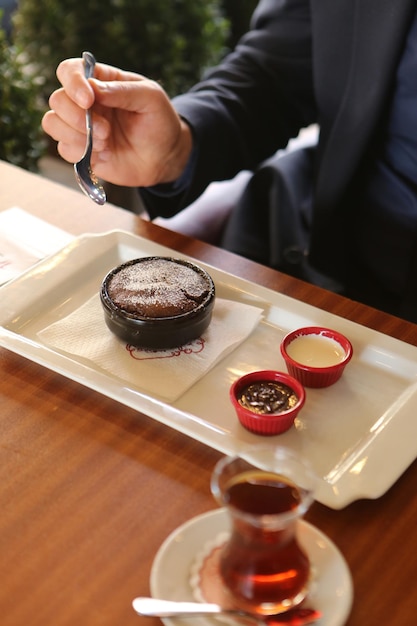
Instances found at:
x=146 y=354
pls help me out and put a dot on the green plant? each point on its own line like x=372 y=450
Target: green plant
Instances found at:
x=171 y=41
x=21 y=139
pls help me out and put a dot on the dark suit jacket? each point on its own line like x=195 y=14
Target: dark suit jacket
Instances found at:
x=330 y=62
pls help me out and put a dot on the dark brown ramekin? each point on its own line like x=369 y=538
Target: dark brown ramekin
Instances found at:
x=158 y=333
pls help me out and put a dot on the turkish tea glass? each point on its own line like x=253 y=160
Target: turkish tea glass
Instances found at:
x=262 y=566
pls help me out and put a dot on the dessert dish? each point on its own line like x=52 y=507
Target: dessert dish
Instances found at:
x=157 y=302
x=316 y=356
x=267 y=402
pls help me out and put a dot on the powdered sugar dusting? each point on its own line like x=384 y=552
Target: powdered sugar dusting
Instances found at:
x=158 y=287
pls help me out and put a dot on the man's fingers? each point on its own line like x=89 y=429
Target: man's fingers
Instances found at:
x=138 y=96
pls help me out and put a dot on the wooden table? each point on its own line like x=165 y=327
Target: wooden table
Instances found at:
x=89 y=489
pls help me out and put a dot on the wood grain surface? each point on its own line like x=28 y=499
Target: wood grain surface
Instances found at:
x=89 y=489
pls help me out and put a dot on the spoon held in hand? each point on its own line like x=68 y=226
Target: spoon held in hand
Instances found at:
x=84 y=175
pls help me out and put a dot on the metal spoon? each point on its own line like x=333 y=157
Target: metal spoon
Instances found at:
x=84 y=175
x=153 y=607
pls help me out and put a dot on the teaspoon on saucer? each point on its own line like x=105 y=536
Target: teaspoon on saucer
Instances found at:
x=153 y=607
x=84 y=175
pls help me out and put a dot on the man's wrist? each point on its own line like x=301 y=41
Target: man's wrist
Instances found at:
x=180 y=184
x=179 y=161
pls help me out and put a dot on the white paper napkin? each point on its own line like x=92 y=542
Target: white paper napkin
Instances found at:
x=24 y=240
x=166 y=374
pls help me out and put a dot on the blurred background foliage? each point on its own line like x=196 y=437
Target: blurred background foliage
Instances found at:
x=171 y=41
x=21 y=108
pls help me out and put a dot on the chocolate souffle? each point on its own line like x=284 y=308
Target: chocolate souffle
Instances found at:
x=157 y=302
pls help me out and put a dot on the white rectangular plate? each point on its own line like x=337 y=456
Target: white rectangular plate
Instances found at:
x=359 y=435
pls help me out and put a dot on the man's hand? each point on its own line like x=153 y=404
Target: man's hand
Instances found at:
x=139 y=139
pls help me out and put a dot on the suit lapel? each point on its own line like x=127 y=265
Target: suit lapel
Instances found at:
x=379 y=28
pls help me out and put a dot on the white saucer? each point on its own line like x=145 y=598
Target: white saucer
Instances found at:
x=332 y=593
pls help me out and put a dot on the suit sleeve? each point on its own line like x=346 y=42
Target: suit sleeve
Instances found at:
x=250 y=105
